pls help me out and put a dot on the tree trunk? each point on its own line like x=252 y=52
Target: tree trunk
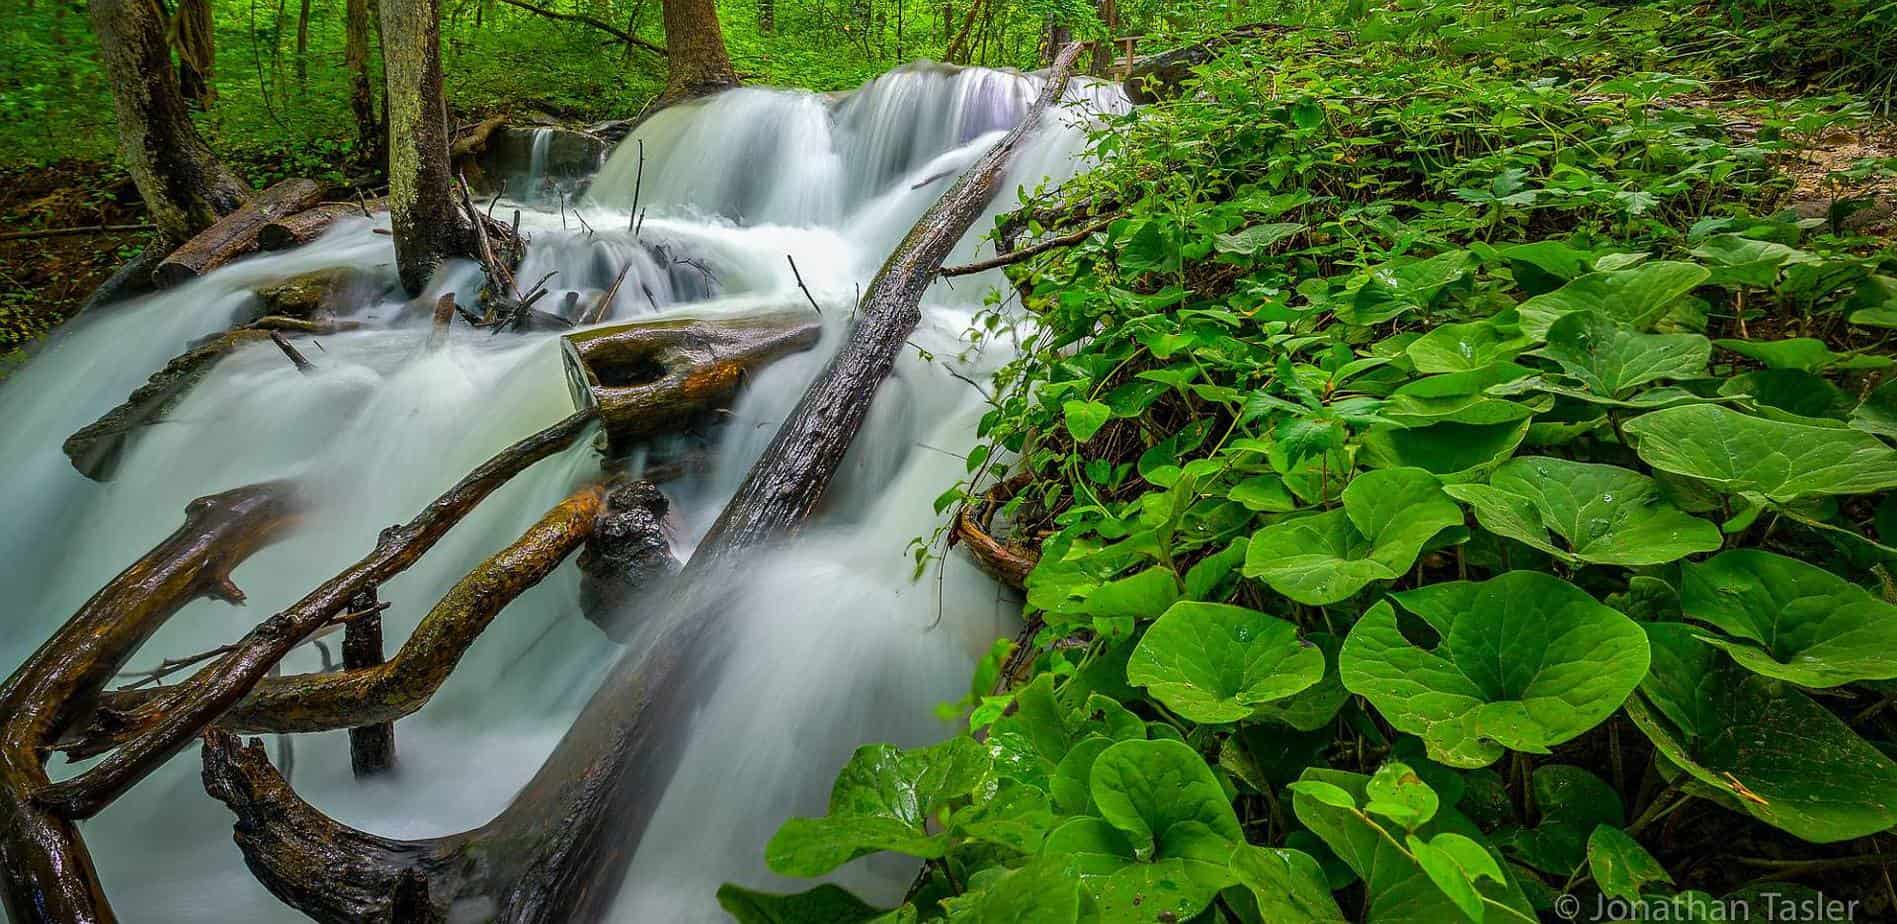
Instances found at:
x=429 y=225
x=186 y=189
x=303 y=41
x=196 y=40
x=767 y=15
x=697 y=63
x=361 y=91
x=1103 y=50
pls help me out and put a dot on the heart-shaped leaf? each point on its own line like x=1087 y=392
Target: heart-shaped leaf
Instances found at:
x=1780 y=460
x=1878 y=413
x=1611 y=360
x=1453 y=452
x=1637 y=297
x=1387 y=517
x=1214 y=662
x=1145 y=787
x=1085 y=418
x=825 y=904
x=1525 y=661
x=1786 y=619
x=882 y=800
x=1775 y=754
x=1620 y=866
x=1257 y=237
x=1603 y=514
x=1288 y=885
x=1466 y=347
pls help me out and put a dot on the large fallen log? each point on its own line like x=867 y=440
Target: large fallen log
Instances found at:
x=49 y=875
x=235 y=234
x=192 y=705
x=653 y=377
x=308 y=225
x=384 y=692
x=558 y=851
x=95 y=448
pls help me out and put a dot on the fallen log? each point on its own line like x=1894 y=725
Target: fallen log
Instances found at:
x=96 y=448
x=381 y=692
x=305 y=226
x=626 y=557
x=558 y=851
x=371 y=746
x=1004 y=560
x=236 y=234
x=653 y=377
x=193 y=704
x=49 y=875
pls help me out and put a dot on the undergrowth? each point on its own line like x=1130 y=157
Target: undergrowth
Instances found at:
x=1462 y=491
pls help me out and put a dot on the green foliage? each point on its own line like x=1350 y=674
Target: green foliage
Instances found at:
x=1450 y=433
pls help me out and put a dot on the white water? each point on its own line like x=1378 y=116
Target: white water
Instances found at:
x=834 y=645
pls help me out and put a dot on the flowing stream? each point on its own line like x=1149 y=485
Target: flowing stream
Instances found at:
x=833 y=644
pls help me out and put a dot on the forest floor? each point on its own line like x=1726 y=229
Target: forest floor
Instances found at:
x=43 y=281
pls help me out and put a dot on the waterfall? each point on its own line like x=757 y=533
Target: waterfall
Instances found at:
x=833 y=645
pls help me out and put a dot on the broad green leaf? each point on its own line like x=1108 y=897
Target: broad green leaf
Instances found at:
x=1572 y=803
x=1760 y=741
x=1443 y=870
x=1786 y=619
x=882 y=800
x=1043 y=890
x=1466 y=347
x=1744 y=261
x=1017 y=816
x=1140 y=595
x=1611 y=360
x=1802 y=353
x=1878 y=413
x=1257 y=237
x=1603 y=514
x=1146 y=787
x=1620 y=866
x=1402 y=286
x=825 y=904
x=1214 y=662
x=1525 y=661
x=1085 y=418
x=1399 y=891
x=1454 y=452
x=1398 y=794
x=1637 y=297
x=1288 y=885
x=1800 y=394
x=1315 y=706
x=1386 y=518
x=1780 y=460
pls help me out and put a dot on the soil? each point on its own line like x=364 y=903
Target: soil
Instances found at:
x=43 y=281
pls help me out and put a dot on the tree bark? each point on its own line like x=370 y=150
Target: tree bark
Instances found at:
x=303 y=41
x=309 y=224
x=371 y=746
x=48 y=874
x=95 y=449
x=186 y=189
x=196 y=39
x=429 y=225
x=696 y=61
x=558 y=851
x=356 y=18
x=236 y=234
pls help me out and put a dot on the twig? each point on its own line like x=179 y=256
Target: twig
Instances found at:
x=598 y=312
x=612 y=30
x=283 y=343
x=1065 y=240
x=800 y=284
x=633 y=220
x=170 y=666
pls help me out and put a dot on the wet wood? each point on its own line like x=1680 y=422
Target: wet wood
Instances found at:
x=236 y=234
x=96 y=448
x=656 y=377
x=309 y=224
x=1015 y=256
x=48 y=874
x=626 y=558
x=1005 y=560
x=193 y=704
x=371 y=746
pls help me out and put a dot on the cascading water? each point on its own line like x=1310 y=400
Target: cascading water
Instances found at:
x=832 y=644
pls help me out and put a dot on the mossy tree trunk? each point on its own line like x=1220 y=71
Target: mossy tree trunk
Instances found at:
x=357 y=17
x=196 y=39
x=695 y=51
x=429 y=224
x=185 y=187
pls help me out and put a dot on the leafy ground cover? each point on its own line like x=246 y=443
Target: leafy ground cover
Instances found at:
x=1462 y=482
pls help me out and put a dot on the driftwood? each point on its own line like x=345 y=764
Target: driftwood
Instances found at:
x=626 y=557
x=236 y=234
x=49 y=875
x=96 y=448
x=214 y=689
x=473 y=140
x=309 y=224
x=371 y=746
x=1011 y=257
x=1004 y=560
x=385 y=691
x=557 y=852
x=653 y=377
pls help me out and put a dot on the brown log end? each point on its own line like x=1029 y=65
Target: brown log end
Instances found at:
x=1005 y=560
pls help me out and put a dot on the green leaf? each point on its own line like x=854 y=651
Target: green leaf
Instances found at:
x=1257 y=237
x=1803 y=353
x=1637 y=297
x=1386 y=518
x=1403 y=285
x=1466 y=347
x=1315 y=706
x=1790 y=620
x=1451 y=451
x=1620 y=866
x=1288 y=885
x=1018 y=817
x=1327 y=793
x=1146 y=787
x=1878 y=413
x=1759 y=741
x=1397 y=793
x=882 y=800
x=1603 y=514
x=1780 y=460
x=1449 y=877
x=1043 y=890
x=1085 y=418
x=1611 y=360
x=1525 y=661
x=1141 y=595
x=1572 y=803
x=1214 y=662
x=825 y=904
